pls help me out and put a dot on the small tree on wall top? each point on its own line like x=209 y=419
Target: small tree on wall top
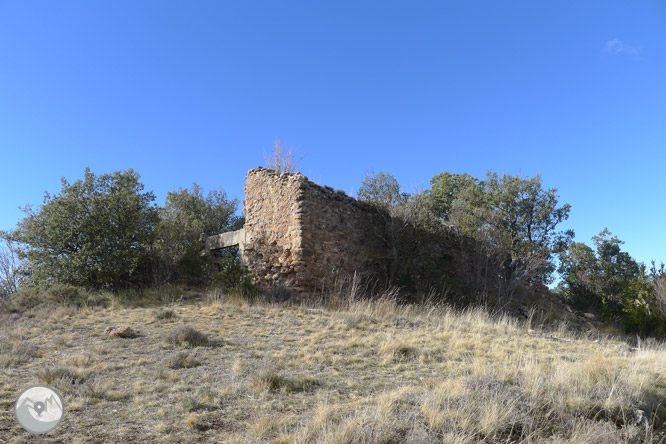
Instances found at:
x=281 y=160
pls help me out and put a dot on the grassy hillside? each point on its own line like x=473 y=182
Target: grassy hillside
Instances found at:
x=363 y=372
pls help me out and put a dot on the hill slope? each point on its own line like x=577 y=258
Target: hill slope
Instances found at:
x=372 y=372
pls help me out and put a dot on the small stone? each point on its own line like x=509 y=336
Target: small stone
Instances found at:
x=121 y=332
x=589 y=315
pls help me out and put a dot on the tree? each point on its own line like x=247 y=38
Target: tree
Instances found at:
x=519 y=212
x=641 y=307
x=10 y=265
x=615 y=268
x=382 y=190
x=593 y=277
x=95 y=233
x=490 y=270
x=658 y=280
x=186 y=215
x=578 y=271
x=526 y=213
x=281 y=160
x=446 y=188
x=513 y=215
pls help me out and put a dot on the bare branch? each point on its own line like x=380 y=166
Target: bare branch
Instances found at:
x=282 y=160
x=9 y=266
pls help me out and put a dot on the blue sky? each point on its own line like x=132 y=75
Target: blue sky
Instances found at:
x=188 y=92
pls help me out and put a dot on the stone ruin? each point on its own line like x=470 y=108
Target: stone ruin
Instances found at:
x=303 y=236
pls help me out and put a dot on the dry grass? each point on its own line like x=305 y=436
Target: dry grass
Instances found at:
x=360 y=372
x=165 y=314
x=182 y=360
x=187 y=335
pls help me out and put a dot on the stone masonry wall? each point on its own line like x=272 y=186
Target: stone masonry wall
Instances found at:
x=304 y=236
x=272 y=229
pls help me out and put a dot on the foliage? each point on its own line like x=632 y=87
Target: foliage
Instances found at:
x=446 y=188
x=514 y=216
x=484 y=267
x=658 y=281
x=419 y=210
x=503 y=231
x=525 y=212
x=405 y=219
x=103 y=232
x=211 y=214
x=10 y=266
x=57 y=295
x=640 y=306
x=95 y=233
x=186 y=215
x=610 y=279
x=615 y=268
x=231 y=276
x=577 y=268
x=381 y=189
x=519 y=213
x=594 y=278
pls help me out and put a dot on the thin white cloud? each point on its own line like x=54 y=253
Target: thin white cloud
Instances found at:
x=616 y=47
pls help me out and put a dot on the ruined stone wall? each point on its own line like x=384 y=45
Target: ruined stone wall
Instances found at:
x=341 y=236
x=273 y=237
x=304 y=236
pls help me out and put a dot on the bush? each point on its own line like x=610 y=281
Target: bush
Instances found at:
x=186 y=215
x=182 y=360
x=640 y=308
x=232 y=277
x=59 y=294
x=187 y=335
x=104 y=232
x=95 y=233
x=165 y=315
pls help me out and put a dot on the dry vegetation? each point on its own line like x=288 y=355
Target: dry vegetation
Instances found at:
x=223 y=370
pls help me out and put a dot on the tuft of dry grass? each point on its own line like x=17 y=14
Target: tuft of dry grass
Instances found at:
x=204 y=398
x=18 y=352
x=193 y=421
x=275 y=382
x=53 y=375
x=187 y=335
x=182 y=360
x=165 y=314
x=398 y=351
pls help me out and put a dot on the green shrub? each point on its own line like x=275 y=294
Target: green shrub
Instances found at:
x=232 y=276
x=186 y=215
x=95 y=233
x=639 y=306
x=58 y=294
